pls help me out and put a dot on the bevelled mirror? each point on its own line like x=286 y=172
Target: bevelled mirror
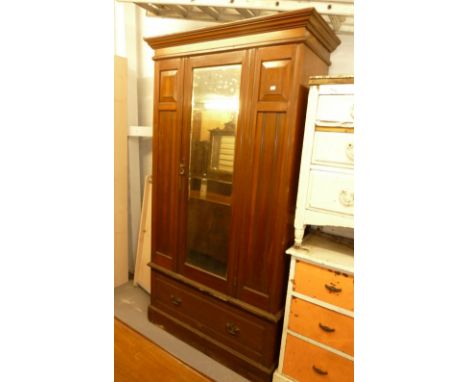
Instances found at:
x=215 y=108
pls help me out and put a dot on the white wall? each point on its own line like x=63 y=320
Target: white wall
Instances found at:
x=126 y=37
x=342 y=58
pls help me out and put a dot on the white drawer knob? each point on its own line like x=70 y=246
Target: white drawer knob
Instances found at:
x=350 y=151
x=347 y=198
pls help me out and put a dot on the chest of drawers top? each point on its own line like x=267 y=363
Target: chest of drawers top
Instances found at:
x=324 y=252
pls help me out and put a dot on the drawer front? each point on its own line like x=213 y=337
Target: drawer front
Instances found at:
x=333 y=149
x=331 y=191
x=326 y=285
x=308 y=363
x=335 y=109
x=323 y=325
x=237 y=329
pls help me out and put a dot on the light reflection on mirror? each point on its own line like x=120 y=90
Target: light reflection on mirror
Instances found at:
x=215 y=110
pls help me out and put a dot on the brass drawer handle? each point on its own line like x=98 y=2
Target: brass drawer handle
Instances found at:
x=181 y=169
x=326 y=328
x=232 y=329
x=332 y=288
x=319 y=371
x=175 y=300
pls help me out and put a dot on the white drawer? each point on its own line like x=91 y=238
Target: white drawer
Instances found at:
x=335 y=110
x=331 y=191
x=333 y=149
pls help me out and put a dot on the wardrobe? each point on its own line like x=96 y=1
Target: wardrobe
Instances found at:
x=229 y=112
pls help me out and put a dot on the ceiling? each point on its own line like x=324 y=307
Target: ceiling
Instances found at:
x=338 y=14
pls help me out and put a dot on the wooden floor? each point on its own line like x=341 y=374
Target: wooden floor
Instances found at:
x=136 y=359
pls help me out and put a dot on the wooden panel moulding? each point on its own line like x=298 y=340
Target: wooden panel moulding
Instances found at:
x=304 y=25
x=296 y=35
x=264 y=243
x=307 y=18
x=275 y=80
x=166 y=146
x=273 y=317
x=168 y=89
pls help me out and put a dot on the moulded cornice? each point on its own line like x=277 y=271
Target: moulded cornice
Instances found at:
x=307 y=18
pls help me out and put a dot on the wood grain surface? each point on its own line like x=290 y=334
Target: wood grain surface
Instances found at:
x=136 y=359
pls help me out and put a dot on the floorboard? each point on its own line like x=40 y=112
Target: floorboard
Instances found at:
x=136 y=359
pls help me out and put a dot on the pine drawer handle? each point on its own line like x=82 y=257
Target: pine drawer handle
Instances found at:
x=175 y=300
x=326 y=328
x=332 y=288
x=319 y=371
x=232 y=329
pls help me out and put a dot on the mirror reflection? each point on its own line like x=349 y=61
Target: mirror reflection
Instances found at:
x=215 y=108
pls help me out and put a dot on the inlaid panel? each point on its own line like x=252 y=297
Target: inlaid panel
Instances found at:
x=275 y=80
x=167 y=86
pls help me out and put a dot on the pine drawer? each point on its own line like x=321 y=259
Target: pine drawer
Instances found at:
x=323 y=325
x=332 y=287
x=309 y=363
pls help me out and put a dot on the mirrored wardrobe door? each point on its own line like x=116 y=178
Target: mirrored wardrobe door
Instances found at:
x=215 y=108
x=211 y=131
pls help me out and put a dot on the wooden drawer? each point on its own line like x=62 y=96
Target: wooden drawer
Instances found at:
x=335 y=105
x=323 y=325
x=331 y=191
x=333 y=149
x=308 y=363
x=229 y=325
x=333 y=287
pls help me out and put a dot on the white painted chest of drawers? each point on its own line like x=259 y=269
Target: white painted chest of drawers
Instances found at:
x=326 y=181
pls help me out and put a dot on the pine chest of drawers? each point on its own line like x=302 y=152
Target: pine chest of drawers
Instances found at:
x=318 y=333
x=326 y=181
